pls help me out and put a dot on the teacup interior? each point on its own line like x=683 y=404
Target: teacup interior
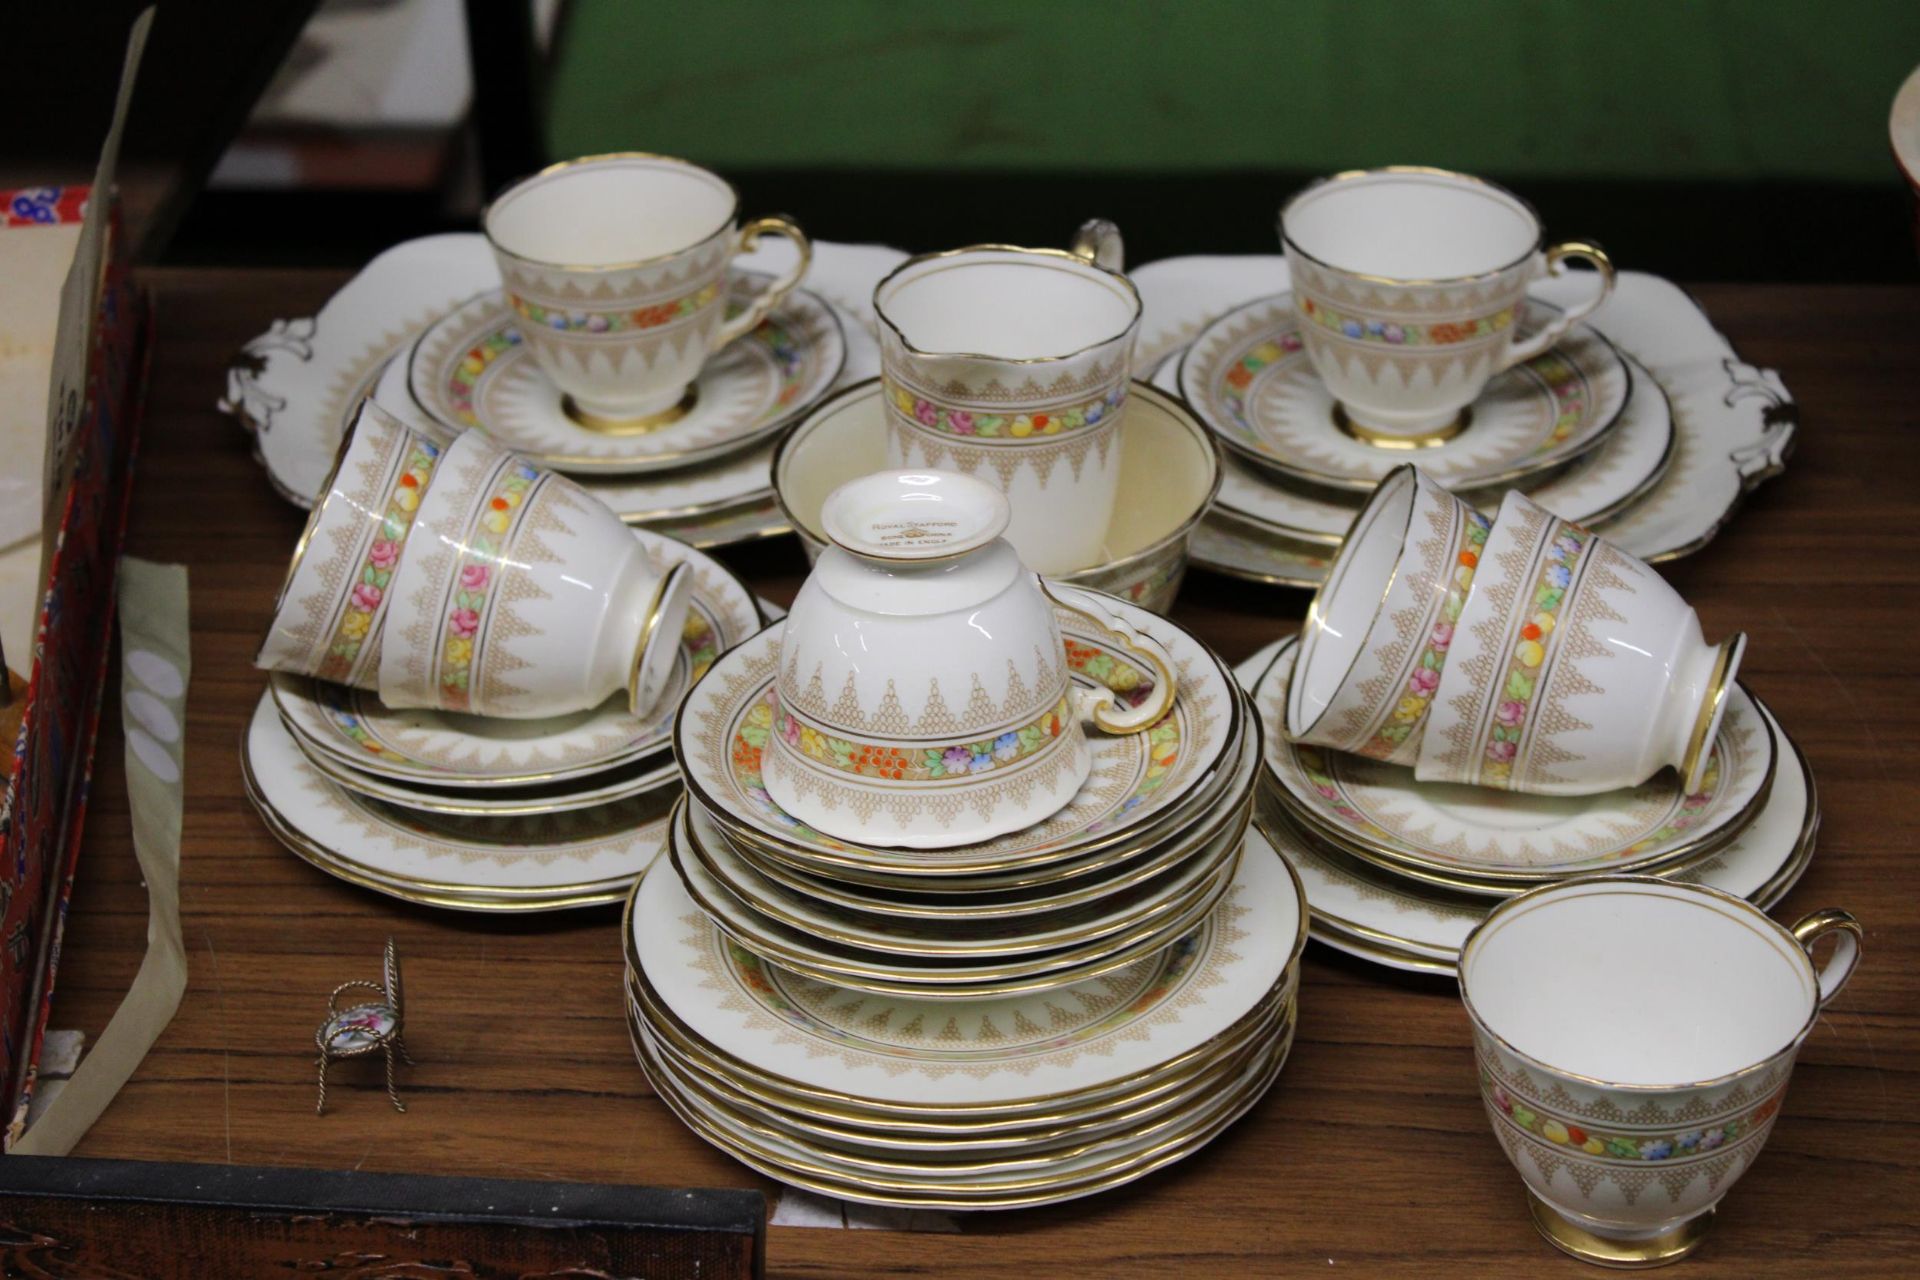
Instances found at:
x=1411 y=226
x=1639 y=984
x=1345 y=609
x=1010 y=305
x=597 y=213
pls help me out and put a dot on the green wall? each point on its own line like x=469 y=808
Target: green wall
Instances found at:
x=1684 y=89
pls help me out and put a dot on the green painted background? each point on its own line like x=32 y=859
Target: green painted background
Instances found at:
x=1684 y=89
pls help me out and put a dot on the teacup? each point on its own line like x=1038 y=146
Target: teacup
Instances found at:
x=1409 y=283
x=1379 y=630
x=1575 y=668
x=523 y=596
x=1013 y=365
x=1634 y=1039
x=333 y=606
x=615 y=267
x=923 y=695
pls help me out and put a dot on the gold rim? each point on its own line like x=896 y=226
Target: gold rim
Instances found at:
x=645 y=424
x=1347 y=943
x=1379 y=439
x=880 y=313
x=1107 y=955
x=1637 y=1254
x=1746 y=910
x=1313 y=624
x=1711 y=708
x=733 y=212
x=1246 y=573
x=1414 y=170
x=1167 y=905
x=661 y=594
x=855 y=867
x=661 y=1015
x=1107 y=1116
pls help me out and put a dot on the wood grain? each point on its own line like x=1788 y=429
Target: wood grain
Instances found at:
x=1371 y=1152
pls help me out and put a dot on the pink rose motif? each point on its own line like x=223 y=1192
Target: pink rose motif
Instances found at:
x=474 y=576
x=463 y=622
x=1423 y=681
x=366 y=596
x=1510 y=712
x=1502 y=1098
x=961 y=421
x=926 y=413
x=1326 y=792
x=790 y=730
x=383 y=554
x=1502 y=752
x=1441 y=638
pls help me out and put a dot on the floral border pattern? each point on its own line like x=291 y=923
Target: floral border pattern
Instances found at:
x=917 y=763
x=1424 y=680
x=370 y=585
x=929 y=415
x=654 y=315
x=1513 y=703
x=1442 y=334
x=474 y=581
x=1635 y=1147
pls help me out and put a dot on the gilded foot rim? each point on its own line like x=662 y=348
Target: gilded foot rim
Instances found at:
x=1622 y=1255
x=631 y=426
x=1388 y=440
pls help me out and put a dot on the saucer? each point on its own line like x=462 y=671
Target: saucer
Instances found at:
x=942 y=1058
x=1622 y=469
x=471 y=369
x=1136 y=778
x=353 y=728
x=1370 y=912
x=1248 y=377
x=634 y=778
x=710 y=856
x=1455 y=835
x=482 y=863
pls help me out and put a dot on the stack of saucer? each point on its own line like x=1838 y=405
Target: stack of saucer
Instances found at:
x=1004 y=938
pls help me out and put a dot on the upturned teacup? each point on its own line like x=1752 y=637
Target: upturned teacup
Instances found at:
x=523 y=596
x=1575 y=668
x=923 y=697
x=332 y=609
x=1013 y=365
x=615 y=267
x=1634 y=1039
x=1410 y=284
x=1379 y=630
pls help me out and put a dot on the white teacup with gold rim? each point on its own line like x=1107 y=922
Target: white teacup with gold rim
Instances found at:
x=1575 y=668
x=1379 y=630
x=332 y=610
x=1634 y=1038
x=1408 y=282
x=523 y=596
x=616 y=269
x=923 y=695
x=1012 y=365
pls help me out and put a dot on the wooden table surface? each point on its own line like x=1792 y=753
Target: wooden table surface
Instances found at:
x=1371 y=1151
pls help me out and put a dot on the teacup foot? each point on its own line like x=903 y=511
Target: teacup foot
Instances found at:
x=639 y=426
x=1636 y=1253
x=1427 y=438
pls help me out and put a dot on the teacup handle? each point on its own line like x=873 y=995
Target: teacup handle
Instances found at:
x=1099 y=241
x=1846 y=948
x=1102 y=706
x=749 y=320
x=1557 y=330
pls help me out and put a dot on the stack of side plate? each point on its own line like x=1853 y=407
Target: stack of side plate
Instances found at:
x=484 y=814
x=1017 y=1100
x=1140 y=856
x=1400 y=871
